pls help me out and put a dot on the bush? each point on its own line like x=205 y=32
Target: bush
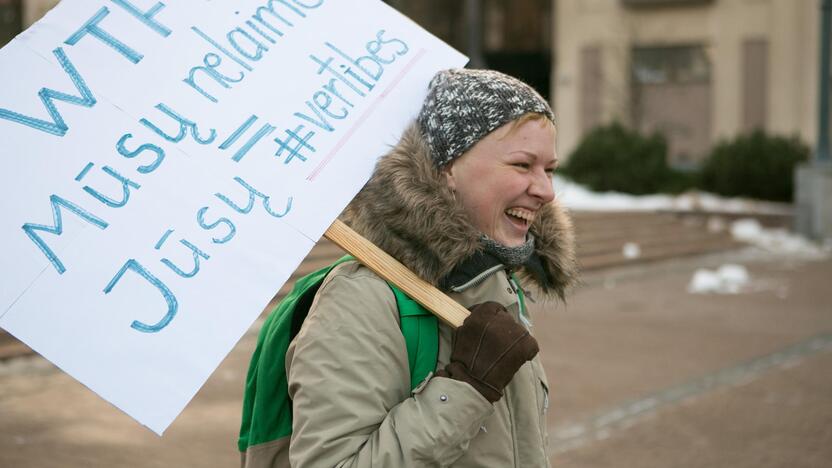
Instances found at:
x=614 y=158
x=754 y=165
x=681 y=181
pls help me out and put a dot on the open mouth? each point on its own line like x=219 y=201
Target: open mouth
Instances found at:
x=520 y=216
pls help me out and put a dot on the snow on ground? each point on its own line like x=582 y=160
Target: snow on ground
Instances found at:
x=631 y=250
x=727 y=279
x=734 y=279
x=777 y=240
x=577 y=197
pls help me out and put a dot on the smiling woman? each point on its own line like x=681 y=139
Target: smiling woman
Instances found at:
x=465 y=201
x=505 y=178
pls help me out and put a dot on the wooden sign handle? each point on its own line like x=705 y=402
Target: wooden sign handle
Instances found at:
x=387 y=267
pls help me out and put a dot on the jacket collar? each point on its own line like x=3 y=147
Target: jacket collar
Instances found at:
x=408 y=210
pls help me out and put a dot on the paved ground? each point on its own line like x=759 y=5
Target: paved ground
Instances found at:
x=643 y=375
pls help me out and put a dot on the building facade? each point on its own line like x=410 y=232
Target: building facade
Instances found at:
x=16 y=15
x=696 y=70
x=11 y=20
x=513 y=37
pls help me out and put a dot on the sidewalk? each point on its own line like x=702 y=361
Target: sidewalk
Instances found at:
x=642 y=375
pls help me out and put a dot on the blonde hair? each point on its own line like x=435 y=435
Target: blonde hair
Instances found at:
x=527 y=117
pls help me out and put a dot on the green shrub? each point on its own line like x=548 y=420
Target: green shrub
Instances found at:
x=612 y=157
x=754 y=165
x=681 y=181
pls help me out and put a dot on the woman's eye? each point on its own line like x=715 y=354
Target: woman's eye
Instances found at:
x=522 y=165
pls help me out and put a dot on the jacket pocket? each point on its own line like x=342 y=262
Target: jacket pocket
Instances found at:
x=542 y=391
x=542 y=387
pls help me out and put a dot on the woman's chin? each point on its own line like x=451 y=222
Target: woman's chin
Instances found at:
x=513 y=233
x=511 y=239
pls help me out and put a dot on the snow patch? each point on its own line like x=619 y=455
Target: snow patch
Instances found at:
x=577 y=197
x=631 y=250
x=776 y=240
x=727 y=279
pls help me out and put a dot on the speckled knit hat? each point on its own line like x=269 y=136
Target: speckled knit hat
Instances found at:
x=463 y=106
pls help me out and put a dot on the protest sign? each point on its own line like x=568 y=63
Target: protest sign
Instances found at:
x=169 y=164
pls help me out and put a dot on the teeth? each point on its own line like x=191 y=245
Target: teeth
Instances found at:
x=522 y=214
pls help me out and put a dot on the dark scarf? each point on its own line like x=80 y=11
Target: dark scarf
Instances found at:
x=511 y=257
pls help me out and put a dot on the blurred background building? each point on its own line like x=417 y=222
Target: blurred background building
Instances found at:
x=16 y=15
x=11 y=19
x=732 y=86
x=514 y=37
x=695 y=70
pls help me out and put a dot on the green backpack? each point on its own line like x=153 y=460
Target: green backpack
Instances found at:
x=267 y=409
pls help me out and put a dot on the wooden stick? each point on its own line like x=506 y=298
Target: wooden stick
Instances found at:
x=387 y=267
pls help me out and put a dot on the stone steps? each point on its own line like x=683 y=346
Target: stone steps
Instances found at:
x=654 y=252
x=601 y=236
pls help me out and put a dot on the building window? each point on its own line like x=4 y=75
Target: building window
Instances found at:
x=755 y=84
x=671 y=94
x=674 y=64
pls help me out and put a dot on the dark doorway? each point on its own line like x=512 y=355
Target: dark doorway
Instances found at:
x=516 y=37
x=11 y=20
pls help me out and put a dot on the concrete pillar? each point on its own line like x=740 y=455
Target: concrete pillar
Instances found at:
x=813 y=201
x=813 y=181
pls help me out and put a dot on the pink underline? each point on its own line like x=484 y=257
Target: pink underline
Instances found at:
x=364 y=116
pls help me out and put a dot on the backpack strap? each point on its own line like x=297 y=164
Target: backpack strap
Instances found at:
x=420 y=329
x=421 y=335
x=520 y=295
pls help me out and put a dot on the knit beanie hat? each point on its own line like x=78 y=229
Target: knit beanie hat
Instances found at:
x=463 y=106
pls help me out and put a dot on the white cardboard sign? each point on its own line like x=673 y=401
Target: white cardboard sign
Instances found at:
x=168 y=164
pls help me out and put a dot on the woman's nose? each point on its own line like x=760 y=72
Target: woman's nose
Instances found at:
x=541 y=187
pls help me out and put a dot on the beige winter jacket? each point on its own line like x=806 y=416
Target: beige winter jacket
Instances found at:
x=350 y=386
x=348 y=367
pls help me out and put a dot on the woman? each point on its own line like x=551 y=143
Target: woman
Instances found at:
x=464 y=200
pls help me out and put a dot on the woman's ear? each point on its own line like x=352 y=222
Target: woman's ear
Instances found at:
x=448 y=173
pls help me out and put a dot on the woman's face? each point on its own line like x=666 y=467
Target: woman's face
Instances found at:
x=504 y=179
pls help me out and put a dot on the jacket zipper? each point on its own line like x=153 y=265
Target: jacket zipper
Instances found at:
x=477 y=280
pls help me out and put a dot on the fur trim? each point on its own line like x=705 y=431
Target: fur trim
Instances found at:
x=408 y=210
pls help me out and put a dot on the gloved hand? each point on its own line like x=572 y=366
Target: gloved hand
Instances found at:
x=488 y=349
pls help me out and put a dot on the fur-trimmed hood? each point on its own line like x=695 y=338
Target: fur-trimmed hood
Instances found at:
x=408 y=210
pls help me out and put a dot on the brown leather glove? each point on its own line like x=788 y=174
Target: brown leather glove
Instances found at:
x=488 y=349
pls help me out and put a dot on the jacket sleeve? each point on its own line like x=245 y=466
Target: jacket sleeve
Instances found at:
x=349 y=381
